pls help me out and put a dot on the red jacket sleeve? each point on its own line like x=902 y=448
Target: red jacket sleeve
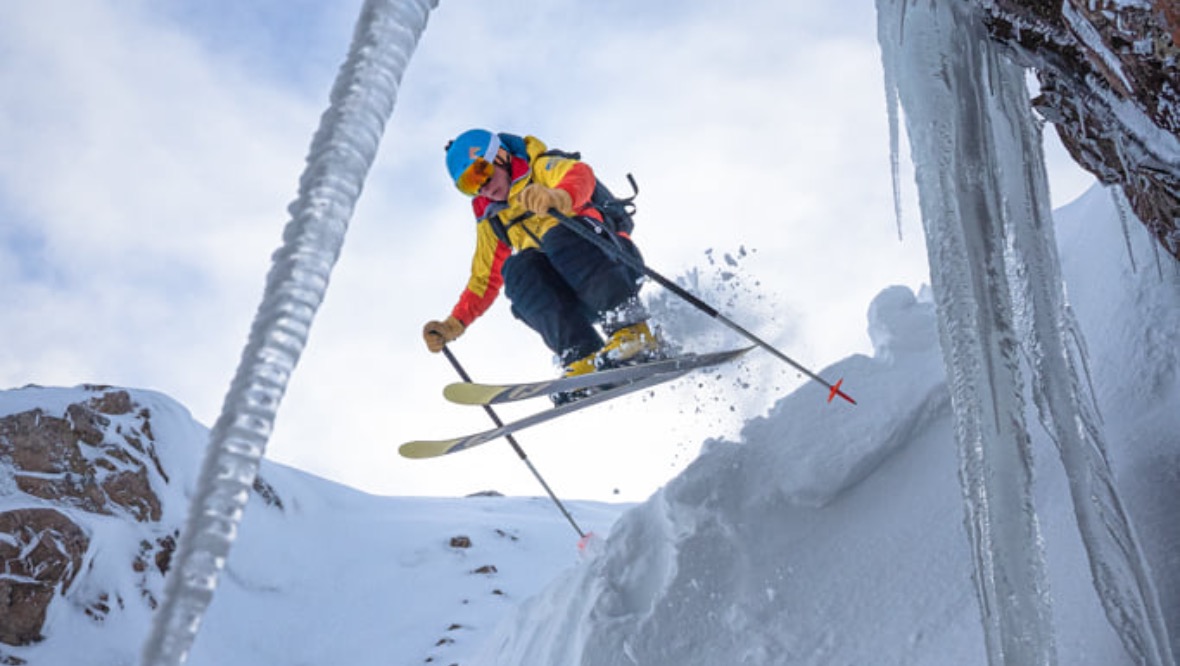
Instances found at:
x=579 y=182
x=486 y=280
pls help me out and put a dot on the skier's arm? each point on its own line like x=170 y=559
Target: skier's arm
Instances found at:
x=578 y=182
x=572 y=178
x=482 y=288
x=485 y=282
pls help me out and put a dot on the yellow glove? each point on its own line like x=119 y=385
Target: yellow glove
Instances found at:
x=438 y=333
x=539 y=199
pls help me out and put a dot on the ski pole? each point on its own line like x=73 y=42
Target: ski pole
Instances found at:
x=512 y=440
x=594 y=235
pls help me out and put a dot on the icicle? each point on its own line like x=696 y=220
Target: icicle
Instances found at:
x=985 y=205
x=944 y=73
x=1080 y=354
x=1122 y=205
x=340 y=156
x=1159 y=266
x=889 y=33
x=891 y=104
x=1118 y=567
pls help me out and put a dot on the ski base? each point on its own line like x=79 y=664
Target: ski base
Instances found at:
x=467 y=393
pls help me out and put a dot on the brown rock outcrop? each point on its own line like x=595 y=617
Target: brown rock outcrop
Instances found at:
x=1110 y=79
x=41 y=552
x=70 y=460
x=84 y=461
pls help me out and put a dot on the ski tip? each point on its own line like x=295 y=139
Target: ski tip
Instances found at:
x=467 y=393
x=420 y=449
x=409 y=450
x=835 y=391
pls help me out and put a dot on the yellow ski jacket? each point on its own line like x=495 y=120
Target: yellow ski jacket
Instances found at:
x=523 y=229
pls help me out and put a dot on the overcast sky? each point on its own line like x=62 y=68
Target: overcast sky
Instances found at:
x=148 y=152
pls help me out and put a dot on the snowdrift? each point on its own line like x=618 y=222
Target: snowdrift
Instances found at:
x=824 y=533
x=832 y=534
x=319 y=574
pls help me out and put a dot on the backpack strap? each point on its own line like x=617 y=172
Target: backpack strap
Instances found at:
x=500 y=228
x=556 y=152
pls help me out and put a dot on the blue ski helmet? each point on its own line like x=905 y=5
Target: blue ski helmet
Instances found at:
x=466 y=149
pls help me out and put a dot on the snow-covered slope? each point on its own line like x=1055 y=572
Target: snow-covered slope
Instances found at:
x=320 y=573
x=825 y=534
x=832 y=534
x=341 y=577
x=99 y=616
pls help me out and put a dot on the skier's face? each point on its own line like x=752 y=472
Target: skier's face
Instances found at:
x=497 y=186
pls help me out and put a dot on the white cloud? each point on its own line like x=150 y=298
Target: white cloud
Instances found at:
x=148 y=160
x=153 y=181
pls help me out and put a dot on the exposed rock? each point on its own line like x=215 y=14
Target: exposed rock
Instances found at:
x=64 y=474
x=114 y=403
x=267 y=493
x=98 y=457
x=71 y=461
x=41 y=552
x=1110 y=85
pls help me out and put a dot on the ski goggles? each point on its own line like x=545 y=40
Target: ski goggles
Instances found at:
x=475 y=176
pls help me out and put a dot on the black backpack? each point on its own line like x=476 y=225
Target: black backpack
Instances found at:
x=617 y=213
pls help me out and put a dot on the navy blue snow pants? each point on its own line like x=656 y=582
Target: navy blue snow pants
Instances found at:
x=563 y=289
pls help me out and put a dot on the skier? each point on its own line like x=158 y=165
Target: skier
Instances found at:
x=560 y=284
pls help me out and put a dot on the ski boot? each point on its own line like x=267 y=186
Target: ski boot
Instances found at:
x=629 y=345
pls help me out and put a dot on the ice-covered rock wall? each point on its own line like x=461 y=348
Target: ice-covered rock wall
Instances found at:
x=984 y=198
x=1109 y=72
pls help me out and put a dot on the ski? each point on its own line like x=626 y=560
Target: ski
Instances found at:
x=435 y=448
x=440 y=447
x=467 y=393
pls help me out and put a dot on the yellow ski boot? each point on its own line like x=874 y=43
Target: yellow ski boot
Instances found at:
x=582 y=366
x=631 y=344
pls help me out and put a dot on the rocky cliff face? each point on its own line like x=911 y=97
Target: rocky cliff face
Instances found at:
x=1109 y=72
x=42 y=551
x=61 y=473
x=94 y=489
